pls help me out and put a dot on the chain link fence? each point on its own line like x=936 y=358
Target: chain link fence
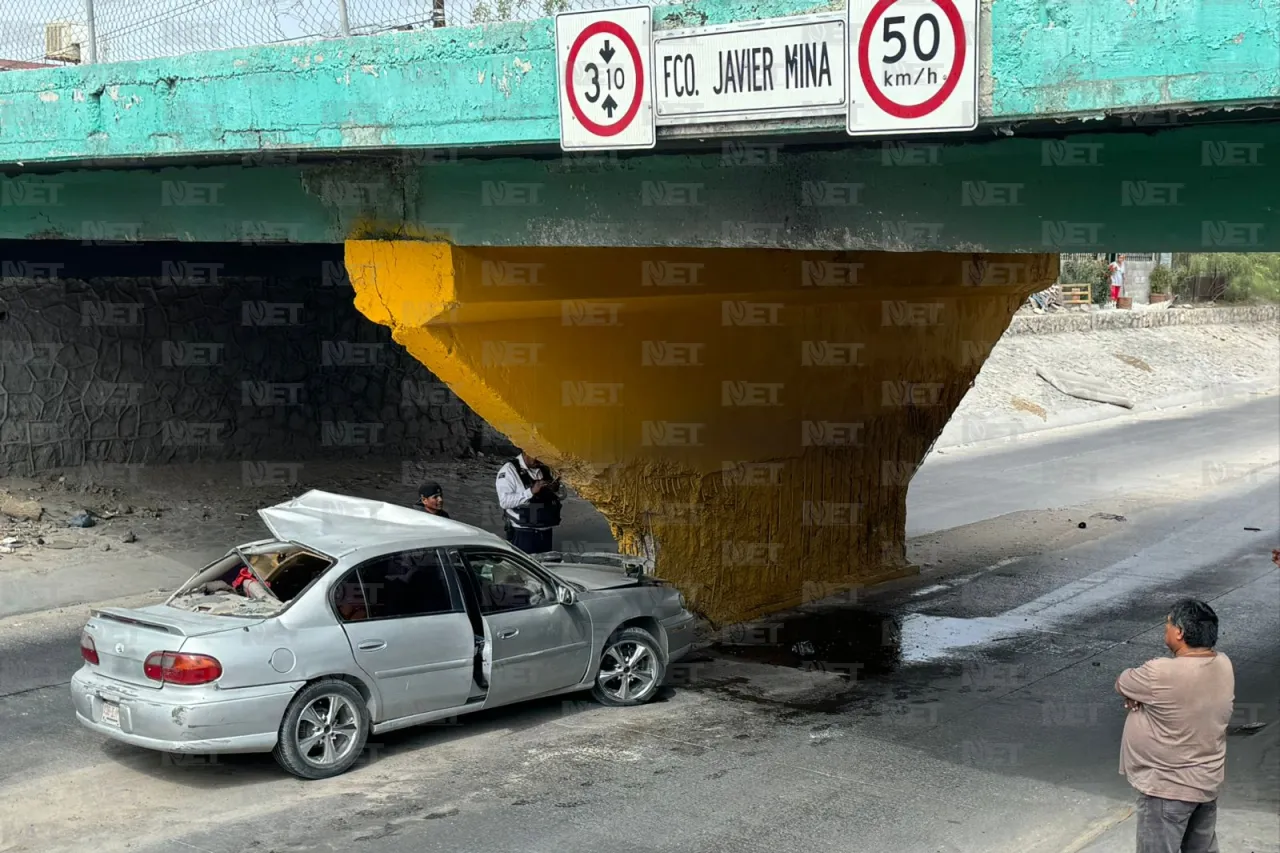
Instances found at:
x=59 y=32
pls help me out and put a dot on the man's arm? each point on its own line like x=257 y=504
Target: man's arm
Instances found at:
x=1138 y=683
x=511 y=492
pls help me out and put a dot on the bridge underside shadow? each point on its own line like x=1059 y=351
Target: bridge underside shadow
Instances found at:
x=750 y=419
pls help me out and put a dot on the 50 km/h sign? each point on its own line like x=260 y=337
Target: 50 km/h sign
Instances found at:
x=913 y=66
x=603 y=60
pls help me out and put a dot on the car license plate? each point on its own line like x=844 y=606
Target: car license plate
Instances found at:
x=111 y=713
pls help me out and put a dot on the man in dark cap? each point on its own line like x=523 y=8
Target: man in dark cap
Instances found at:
x=431 y=496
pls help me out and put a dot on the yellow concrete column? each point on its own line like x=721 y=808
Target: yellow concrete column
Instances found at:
x=750 y=418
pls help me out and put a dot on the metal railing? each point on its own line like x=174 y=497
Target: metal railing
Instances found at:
x=58 y=32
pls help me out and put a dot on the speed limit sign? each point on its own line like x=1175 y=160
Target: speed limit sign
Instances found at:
x=913 y=66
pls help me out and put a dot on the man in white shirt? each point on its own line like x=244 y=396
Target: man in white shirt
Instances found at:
x=528 y=496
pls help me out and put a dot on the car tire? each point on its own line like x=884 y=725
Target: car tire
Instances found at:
x=329 y=711
x=643 y=675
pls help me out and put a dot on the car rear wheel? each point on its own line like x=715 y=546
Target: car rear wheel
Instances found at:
x=631 y=669
x=324 y=730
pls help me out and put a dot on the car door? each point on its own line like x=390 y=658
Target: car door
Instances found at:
x=409 y=632
x=539 y=644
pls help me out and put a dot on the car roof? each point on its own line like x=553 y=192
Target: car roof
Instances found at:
x=341 y=526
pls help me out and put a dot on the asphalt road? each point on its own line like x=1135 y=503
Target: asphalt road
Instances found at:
x=987 y=723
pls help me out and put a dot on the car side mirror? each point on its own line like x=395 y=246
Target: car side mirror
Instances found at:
x=566 y=596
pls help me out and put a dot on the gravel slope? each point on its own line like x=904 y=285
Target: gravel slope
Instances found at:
x=1142 y=364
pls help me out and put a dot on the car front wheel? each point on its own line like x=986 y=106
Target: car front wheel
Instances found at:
x=631 y=669
x=324 y=730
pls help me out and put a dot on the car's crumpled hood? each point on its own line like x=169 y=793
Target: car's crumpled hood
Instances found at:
x=591 y=577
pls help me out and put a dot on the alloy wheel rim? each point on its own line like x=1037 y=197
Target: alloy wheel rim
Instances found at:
x=327 y=730
x=627 y=671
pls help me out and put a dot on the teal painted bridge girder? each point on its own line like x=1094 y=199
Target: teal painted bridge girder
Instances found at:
x=491 y=86
x=1208 y=188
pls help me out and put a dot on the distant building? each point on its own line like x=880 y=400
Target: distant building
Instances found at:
x=19 y=65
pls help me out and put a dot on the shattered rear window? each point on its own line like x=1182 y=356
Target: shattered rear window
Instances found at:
x=257 y=581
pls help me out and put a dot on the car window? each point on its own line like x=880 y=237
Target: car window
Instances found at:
x=397 y=586
x=348 y=598
x=504 y=584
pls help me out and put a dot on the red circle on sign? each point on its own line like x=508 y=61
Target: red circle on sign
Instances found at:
x=623 y=36
x=925 y=107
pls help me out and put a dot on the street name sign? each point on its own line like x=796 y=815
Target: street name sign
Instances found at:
x=913 y=66
x=606 y=97
x=783 y=68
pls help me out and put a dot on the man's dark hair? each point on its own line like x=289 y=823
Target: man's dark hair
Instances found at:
x=1197 y=621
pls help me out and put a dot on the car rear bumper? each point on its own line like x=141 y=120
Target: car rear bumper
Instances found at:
x=680 y=635
x=193 y=720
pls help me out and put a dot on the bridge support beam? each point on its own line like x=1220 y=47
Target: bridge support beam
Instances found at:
x=748 y=418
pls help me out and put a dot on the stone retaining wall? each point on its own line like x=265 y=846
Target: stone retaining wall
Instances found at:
x=271 y=368
x=1051 y=324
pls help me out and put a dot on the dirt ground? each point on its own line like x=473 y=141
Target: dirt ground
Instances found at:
x=141 y=510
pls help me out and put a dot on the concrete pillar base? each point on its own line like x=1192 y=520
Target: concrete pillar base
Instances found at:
x=749 y=418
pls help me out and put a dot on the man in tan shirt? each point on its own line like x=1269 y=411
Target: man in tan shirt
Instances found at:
x=1174 y=750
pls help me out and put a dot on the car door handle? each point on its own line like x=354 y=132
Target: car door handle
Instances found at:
x=372 y=645
x=508 y=634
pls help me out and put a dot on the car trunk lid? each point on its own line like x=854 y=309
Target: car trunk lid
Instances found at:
x=124 y=638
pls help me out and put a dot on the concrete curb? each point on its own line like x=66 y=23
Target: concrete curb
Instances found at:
x=969 y=431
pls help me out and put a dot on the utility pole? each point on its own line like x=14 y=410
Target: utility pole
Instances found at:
x=92 y=34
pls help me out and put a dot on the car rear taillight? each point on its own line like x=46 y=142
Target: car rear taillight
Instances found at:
x=180 y=668
x=88 y=650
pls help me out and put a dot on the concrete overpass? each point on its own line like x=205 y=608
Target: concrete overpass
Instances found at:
x=738 y=345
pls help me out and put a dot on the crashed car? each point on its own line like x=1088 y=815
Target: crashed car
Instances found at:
x=358 y=618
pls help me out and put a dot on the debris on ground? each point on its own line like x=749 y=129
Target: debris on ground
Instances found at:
x=130 y=536
x=83 y=518
x=1082 y=525
x=1082 y=387
x=15 y=507
x=10 y=545
x=1133 y=361
x=1109 y=516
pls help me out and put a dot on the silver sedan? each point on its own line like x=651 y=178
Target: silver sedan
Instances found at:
x=357 y=618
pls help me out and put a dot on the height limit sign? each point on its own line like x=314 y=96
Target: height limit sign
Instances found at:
x=606 y=96
x=913 y=66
